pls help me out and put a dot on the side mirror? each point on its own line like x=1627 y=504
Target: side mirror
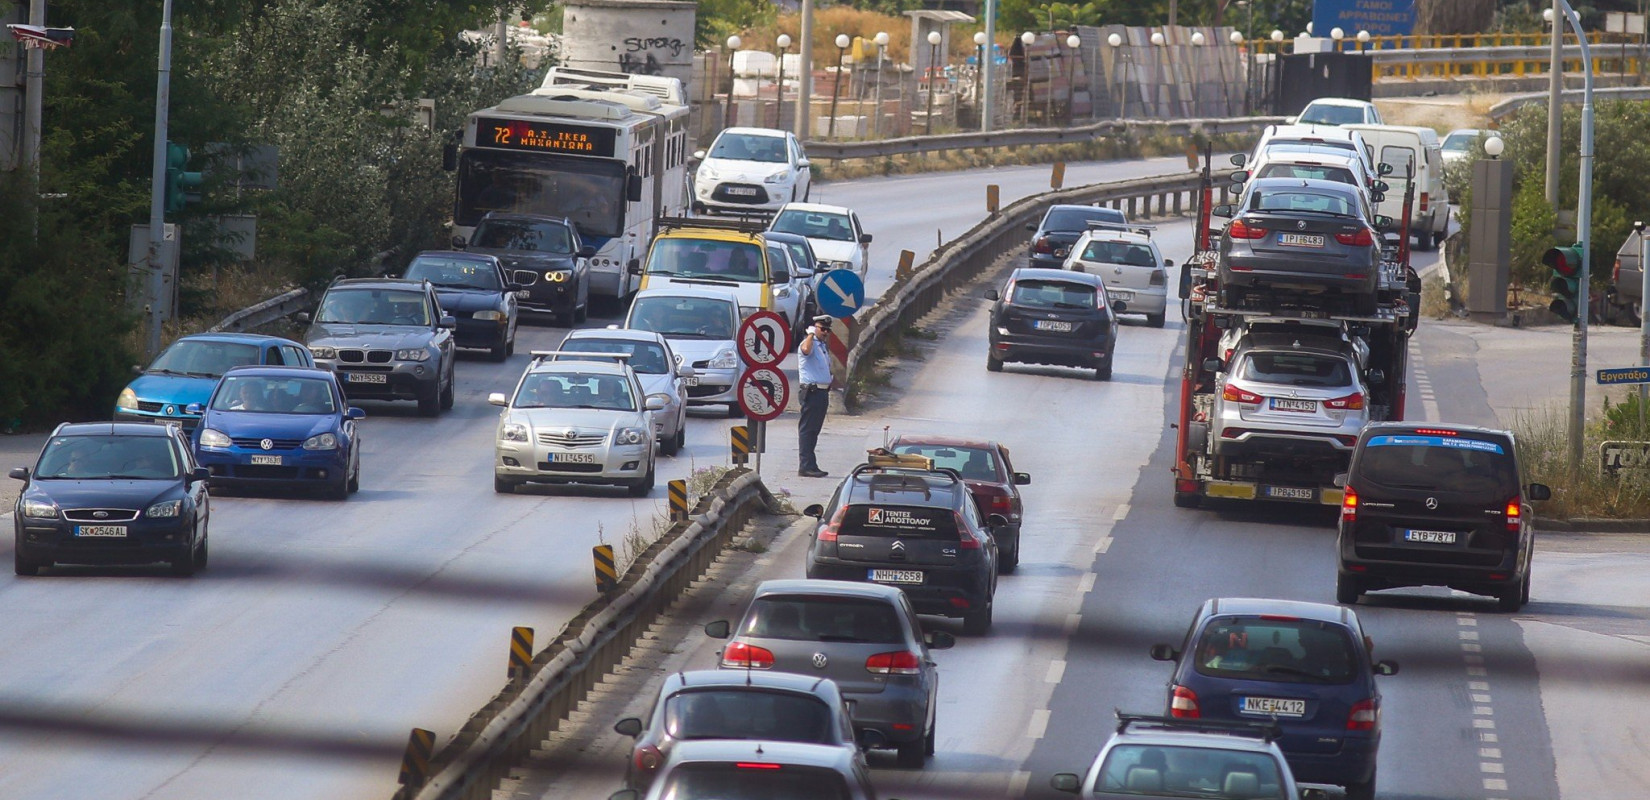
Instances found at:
x=303 y=317
x=686 y=371
x=654 y=404
x=1224 y=210
x=1340 y=480
x=1384 y=222
x=634 y=266
x=1386 y=668
x=355 y=413
x=939 y=640
x=1240 y=177
x=991 y=294
x=1377 y=197
x=718 y=629
x=1022 y=478
x=699 y=154
x=865 y=238
x=194 y=409
x=1185 y=281
x=633 y=188
x=1163 y=652
x=816 y=510
x=459 y=243
x=449 y=156
x=1211 y=365
x=1168 y=262
x=1383 y=169
x=199 y=474
x=497 y=399
x=587 y=251
x=1535 y=492
x=1067 y=782
x=514 y=288
x=1381 y=186
x=629 y=726
x=1031 y=226
x=448 y=322
x=1239 y=159
x=19 y=473
x=1376 y=377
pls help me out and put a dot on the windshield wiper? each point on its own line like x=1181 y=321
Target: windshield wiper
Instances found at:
x=200 y=375
x=168 y=372
x=131 y=478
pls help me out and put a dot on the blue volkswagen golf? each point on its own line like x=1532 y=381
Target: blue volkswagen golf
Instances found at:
x=280 y=426
x=1306 y=666
x=185 y=373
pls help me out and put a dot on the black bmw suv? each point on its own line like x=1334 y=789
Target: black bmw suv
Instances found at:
x=1435 y=504
x=900 y=521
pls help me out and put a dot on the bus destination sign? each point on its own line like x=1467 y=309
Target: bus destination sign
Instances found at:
x=553 y=137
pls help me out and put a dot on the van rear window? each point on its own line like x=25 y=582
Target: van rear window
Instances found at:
x=907 y=521
x=1445 y=463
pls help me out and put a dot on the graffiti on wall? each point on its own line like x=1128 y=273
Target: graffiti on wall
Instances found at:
x=640 y=55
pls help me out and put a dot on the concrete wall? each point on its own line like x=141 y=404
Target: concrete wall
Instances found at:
x=648 y=37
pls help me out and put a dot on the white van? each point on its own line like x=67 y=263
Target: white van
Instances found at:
x=1403 y=147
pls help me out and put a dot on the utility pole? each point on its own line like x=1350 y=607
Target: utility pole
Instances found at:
x=1174 y=11
x=34 y=87
x=159 y=297
x=988 y=66
x=1555 y=106
x=805 y=86
x=1584 y=233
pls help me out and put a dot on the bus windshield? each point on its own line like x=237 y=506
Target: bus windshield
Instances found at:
x=588 y=191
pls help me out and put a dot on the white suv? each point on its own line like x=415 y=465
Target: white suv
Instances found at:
x=575 y=422
x=1134 y=270
x=838 y=239
x=751 y=169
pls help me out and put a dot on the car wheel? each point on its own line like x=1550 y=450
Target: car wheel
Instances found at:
x=909 y=754
x=24 y=565
x=1103 y=373
x=928 y=741
x=1348 y=589
x=355 y=479
x=734 y=411
x=510 y=349
x=503 y=486
x=644 y=486
x=429 y=403
x=1423 y=241
x=201 y=553
x=1511 y=598
x=500 y=351
x=1524 y=586
x=976 y=623
x=184 y=565
x=582 y=312
x=447 y=393
x=339 y=490
x=681 y=435
x=1010 y=560
x=993 y=363
x=1361 y=791
x=1187 y=500
x=671 y=444
x=1156 y=320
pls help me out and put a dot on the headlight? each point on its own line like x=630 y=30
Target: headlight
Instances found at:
x=168 y=508
x=777 y=177
x=413 y=354
x=39 y=510
x=556 y=277
x=321 y=441
x=725 y=359
x=514 y=432
x=212 y=438
x=630 y=436
x=708 y=173
x=324 y=352
x=128 y=399
x=490 y=316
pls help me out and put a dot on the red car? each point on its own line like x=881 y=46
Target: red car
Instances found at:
x=986 y=468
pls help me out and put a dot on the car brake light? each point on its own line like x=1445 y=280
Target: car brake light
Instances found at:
x=648 y=758
x=1159 y=278
x=1279 y=618
x=1365 y=715
x=1435 y=432
x=964 y=541
x=1002 y=504
x=1515 y=514
x=1242 y=230
x=1042 y=246
x=1359 y=238
x=899 y=662
x=832 y=528
x=739 y=655
x=1349 y=504
x=1351 y=402
x=1615 y=273
x=1238 y=394
x=753 y=765
x=1425 y=199
x=1183 y=703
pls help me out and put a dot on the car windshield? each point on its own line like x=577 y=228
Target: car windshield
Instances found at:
x=1177 y=771
x=588 y=191
x=1435 y=462
x=815 y=224
x=801 y=255
x=1297 y=199
x=1460 y=141
x=759 y=780
x=646 y=358
x=1077 y=219
x=109 y=456
x=1052 y=294
x=1290 y=368
x=747 y=713
x=1319 y=172
x=1327 y=114
x=683 y=317
x=749 y=147
x=973 y=463
x=374 y=307
x=820 y=618
x=455 y=273
x=517 y=234
x=1119 y=252
x=1337 y=145
x=204 y=359
x=270 y=395
x=575 y=390
x=706 y=258
x=1276 y=648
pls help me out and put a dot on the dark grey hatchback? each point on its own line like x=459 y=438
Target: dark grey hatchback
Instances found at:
x=1052 y=316
x=1306 y=236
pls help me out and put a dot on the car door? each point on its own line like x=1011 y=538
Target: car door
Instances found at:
x=297 y=356
x=272 y=356
x=786 y=298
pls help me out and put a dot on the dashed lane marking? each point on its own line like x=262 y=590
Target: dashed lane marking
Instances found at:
x=1086 y=585
x=1039 y=723
x=1122 y=511
x=1056 y=671
x=1017 y=783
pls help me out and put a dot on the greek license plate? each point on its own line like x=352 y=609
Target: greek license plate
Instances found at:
x=895 y=575
x=691 y=380
x=1300 y=239
x=101 y=531
x=1052 y=325
x=1285 y=404
x=742 y=191
x=272 y=460
x=365 y=377
x=1121 y=294
x=572 y=458
x=1430 y=537
x=1274 y=705
x=1289 y=493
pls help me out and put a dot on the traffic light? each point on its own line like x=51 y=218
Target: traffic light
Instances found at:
x=1565 y=262
x=179 y=182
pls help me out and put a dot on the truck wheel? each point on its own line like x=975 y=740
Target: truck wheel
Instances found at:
x=1423 y=241
x=1187 y=500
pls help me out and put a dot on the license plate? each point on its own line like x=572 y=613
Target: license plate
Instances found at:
x=895 y=575
x=1289 y=493
x=691 y=380
x=101 y=531
x=1120 y=294
x=741 y=190
x=1285 y=404
x=365 y=377
x=1274 y=706
x=572 y=458
x=273 y=460
x=1052 y=325
x=1300 y=239
x=1430 y=537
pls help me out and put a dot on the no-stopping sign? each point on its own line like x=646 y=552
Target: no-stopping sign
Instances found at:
x=763 y=393
x=764 y=339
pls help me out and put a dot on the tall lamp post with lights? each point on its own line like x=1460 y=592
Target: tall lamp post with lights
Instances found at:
x=1336 y=35
x=979 y=74
x=842 y=42
x=934 y=39
x=881 y=40
x=1072 y=53
x=1026 y=40
x=733 y=49
x=1363 y=41
x=1238 y=39
x=1198 y=40
x=1115 y=41
x=784 y=42
x=1158 y=40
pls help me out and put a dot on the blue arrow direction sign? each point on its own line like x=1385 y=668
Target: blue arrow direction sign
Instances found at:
x=1621 y=375
x=841 y=293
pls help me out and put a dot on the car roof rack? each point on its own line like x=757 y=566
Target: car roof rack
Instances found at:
x=1266 y=731
x=884 y=461
x=742 y=225
x=1125 y=227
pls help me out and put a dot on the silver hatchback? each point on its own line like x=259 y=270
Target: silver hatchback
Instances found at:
x=1289 y=396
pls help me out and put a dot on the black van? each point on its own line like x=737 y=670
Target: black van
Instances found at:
x=1436 y=505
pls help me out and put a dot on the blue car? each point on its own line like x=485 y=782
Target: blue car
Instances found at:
x=1307 y=667
x=280 y=426
x=185 y=373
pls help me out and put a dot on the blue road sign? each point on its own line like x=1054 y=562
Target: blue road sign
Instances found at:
x=1379 y=17
x=841 y=293
x=1621 y=375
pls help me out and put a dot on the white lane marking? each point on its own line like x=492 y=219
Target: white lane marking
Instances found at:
x=1071 y=623
x=1468 y=636
x=1488 y=738
x=1495 y=784
x=1472 y=648
x=1485 y=724
x=1056 y=671
x=1477 y=661
x=1490 y=752
x=1482 y=698
x=1017 y=784
x=1467 y=621
x=1086 y=585
x=1478 y=686
x=1483 y=711
x=1492 y=767
x=1423 y=383
x=1477 y=672
x=1039 y=723
x=1122 y=511
x=1103 y=545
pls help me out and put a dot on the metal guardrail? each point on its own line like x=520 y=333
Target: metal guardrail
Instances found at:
x=1511 y=105
x=1491 y=61
x=1035 y=136
x=268 y=311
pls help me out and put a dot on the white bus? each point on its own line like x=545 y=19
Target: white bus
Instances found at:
x=607 y=150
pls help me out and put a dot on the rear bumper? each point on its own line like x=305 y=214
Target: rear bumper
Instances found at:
x=1266 y=270
x=1247 y=440
x=899 y=713
x=1354 y=763
x=1378 y=567
x=1051 y=350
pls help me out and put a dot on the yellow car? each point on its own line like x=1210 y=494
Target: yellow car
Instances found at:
x=731 y=255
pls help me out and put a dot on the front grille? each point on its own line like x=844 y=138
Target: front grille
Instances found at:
x=701 y=365
x=262 y=472
x=91 y=514
x=723 y=193
x=525 y=277
x=354 y=356
x=153 y=408
x=575 y=441
x=546 y=466
x=256 y=443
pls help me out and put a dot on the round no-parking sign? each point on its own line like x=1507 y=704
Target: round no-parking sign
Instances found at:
x=763 y=393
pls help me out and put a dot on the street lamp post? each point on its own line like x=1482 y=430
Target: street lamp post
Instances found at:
x=784 y=42
x=1336 y=35
x=733 y=49
x=159 y=297
x=876 y=122
x=1072 y=43
x=979 y=74
x=1197 y=72
x=934 y=39
x=1026 y=40
x=1237 y=38
x=842 y=42
x=1363 y=41
x=1158 y=41
x=1116 y=42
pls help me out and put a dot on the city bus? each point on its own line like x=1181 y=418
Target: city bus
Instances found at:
x=606 y=150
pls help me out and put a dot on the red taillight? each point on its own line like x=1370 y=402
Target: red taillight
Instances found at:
x=1002 y=504
x=1359 y=238
x=648 y=758
x=1238 y=394
x=1364 y=717
x=1425 y=200
x=1279 y=618
x=1183 y=703
x=754 y=765
x=1349 y=505
x=1042 y=246
x=1515 y=514
x=964 y=540
x=899 y=662
x=829 y=532
x=1243 y=230
x=739 y=655
x=1351 y=402
x=1435 y=432
x=1615 y=273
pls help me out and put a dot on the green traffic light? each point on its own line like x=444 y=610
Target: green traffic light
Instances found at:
x=179 y=182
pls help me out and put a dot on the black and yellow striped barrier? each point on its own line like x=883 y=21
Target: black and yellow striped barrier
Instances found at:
x=415 y=765
x=991 y=204
x=521 y=652
x=607 y=575
x=906 y=259
x=678 y=500
x=1057 y=178
x=741 y=438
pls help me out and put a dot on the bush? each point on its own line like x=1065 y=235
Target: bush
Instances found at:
x=1543 y=452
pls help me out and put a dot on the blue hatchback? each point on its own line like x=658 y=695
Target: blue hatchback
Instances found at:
x=1306 y=666
x=185 y=373
x=268 y=426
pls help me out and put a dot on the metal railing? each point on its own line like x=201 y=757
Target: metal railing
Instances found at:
x=1484 y=62
x=1036 y=136
x=256 y=316
x=1511 y=105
